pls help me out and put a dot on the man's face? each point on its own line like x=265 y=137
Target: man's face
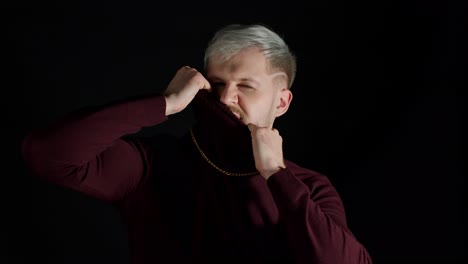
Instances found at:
x=252 y=92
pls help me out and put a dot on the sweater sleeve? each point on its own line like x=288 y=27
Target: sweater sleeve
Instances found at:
x=315 y=220
x=90 y=150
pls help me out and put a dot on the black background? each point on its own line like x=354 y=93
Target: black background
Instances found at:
x=377 y=107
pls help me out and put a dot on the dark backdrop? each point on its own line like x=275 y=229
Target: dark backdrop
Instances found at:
x=377 y=107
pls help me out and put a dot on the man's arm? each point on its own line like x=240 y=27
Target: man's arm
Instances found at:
x=314 y=217
x=308 y=204
x=88 y=150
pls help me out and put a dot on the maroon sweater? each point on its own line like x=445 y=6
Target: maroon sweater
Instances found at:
x=177 y=206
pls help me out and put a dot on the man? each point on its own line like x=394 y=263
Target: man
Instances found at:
x=223 y=192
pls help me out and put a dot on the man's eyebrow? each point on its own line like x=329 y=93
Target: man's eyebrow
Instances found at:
x=213 y=78
x=245 y=79
x=248 y=79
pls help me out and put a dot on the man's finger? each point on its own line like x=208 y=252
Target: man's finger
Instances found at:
x=206 y=85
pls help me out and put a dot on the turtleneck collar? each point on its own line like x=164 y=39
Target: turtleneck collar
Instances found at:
x=224 y=139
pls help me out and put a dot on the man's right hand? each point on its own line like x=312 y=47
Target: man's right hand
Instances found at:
x=183 y=88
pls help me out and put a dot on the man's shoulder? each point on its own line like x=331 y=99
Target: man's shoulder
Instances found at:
x=295 y=167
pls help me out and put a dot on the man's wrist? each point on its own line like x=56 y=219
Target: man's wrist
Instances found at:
x=169 y=110
x=268 y=173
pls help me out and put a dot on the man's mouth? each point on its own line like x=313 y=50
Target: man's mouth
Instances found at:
x=236 y=114
x=234 y=111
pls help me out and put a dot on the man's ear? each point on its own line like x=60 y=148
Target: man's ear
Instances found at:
x=285 y=98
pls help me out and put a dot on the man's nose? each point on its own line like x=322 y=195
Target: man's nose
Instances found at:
x=228 y=94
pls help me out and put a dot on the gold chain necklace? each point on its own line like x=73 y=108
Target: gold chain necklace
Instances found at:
x=214 y=165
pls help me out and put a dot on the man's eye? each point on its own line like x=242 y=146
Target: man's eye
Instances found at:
x=217 y=85
x=245 y=86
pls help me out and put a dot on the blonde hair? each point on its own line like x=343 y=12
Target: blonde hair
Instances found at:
x=234 y=38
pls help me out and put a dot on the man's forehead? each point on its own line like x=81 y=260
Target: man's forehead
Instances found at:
x=212 y=76
x=243 y=78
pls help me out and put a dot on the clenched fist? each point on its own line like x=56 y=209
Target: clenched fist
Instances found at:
x=267 y=146
x=183 y=88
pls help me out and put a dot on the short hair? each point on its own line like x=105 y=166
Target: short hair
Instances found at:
x=234 y=38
